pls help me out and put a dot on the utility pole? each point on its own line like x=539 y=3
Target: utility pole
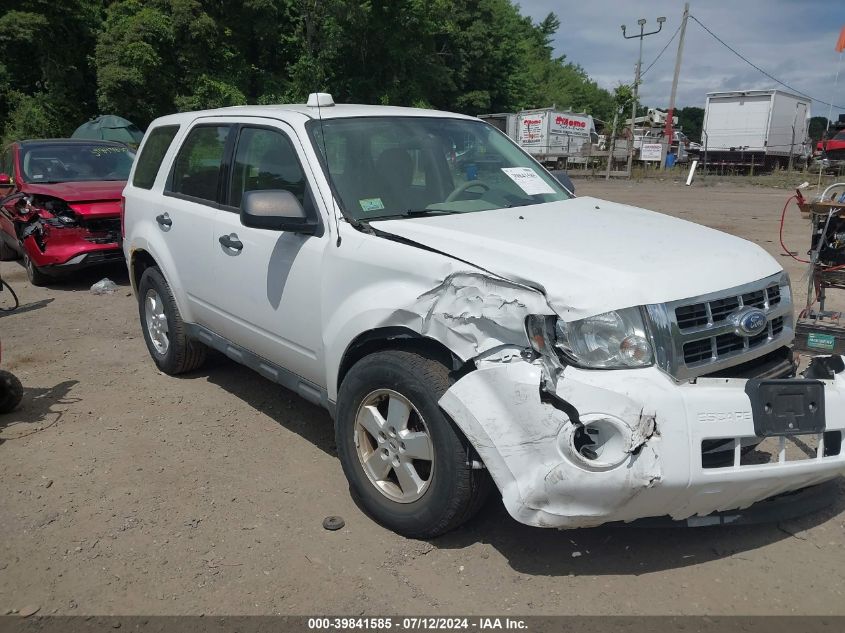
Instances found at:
x=669 y=132
x=641 y=22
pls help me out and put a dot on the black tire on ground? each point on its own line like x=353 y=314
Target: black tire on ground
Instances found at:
x=456 y=491
x=7 y=253
x=11 y=391
x=33 y=272
x=182 y=354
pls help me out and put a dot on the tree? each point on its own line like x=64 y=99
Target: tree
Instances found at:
x=691 y=121
x=45 y=73
x=61 y=63
x=818 y=125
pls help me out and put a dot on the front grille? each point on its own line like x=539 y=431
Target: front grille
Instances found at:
x=102 y=225
x=714 y=348
x=718 y=310
x=699 y=336
x=102 y=231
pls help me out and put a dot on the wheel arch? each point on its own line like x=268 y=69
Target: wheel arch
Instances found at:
x=395 y=338
x=139 y=261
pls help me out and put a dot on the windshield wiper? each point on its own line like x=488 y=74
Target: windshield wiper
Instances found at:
x=412 y=213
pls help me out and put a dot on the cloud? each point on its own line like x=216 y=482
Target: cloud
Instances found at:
x=793 y=40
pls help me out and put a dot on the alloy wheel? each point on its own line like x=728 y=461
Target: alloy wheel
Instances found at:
x=394 y=446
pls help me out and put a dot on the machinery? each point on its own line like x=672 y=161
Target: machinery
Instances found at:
x=820 y=330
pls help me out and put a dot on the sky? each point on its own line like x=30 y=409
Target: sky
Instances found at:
x=793 y=40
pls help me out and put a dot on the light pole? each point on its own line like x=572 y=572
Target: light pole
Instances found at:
x=641 y=22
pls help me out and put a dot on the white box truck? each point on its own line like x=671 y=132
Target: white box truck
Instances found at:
x=756 y=128
x=552 y=137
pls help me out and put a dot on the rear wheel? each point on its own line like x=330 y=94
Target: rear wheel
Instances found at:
x=164 y=331
x=406 y=462
x=11 y=391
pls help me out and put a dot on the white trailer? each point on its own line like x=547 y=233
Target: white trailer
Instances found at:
x=551 y=136
x=756 y=127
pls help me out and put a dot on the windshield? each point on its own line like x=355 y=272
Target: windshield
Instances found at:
x=75 y=162
x=385 y=167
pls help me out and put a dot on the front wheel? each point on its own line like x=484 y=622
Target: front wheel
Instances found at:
x=33 y=272
x=7 y=253
x=405 y=460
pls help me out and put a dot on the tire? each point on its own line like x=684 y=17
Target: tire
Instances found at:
x=11 y=391
x=33 y=272
x=7 y=253
x=449 y=492
x=180 y=354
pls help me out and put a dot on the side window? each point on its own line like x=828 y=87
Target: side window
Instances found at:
x=265 y=159
x=197 y=166
x=158 y=142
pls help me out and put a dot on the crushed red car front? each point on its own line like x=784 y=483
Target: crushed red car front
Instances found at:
x=71 y=226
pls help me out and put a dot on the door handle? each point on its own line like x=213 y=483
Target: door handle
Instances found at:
x=164 y=220
x=231 y=241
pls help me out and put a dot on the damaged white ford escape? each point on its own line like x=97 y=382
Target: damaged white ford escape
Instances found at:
x=468 y=322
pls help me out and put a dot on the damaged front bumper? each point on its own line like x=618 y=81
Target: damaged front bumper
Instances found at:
x=661 y=448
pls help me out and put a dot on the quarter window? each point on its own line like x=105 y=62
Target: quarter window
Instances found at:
x=158 y=142
x=197 y=166
x=265 y=159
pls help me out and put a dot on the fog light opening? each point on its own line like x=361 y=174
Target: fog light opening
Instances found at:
x=598 y=443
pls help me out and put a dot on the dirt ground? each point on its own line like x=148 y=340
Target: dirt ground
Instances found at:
x=124 y=491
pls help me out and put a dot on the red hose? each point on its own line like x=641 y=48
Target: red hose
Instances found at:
x=788 y=252
x=782 y=218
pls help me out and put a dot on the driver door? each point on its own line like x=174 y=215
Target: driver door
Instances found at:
x=268 y=290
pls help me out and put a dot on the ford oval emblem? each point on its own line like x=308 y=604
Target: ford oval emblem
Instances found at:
x=749 y=322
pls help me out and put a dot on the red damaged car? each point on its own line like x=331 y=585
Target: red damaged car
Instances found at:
x=832 y=148
x=60 y=204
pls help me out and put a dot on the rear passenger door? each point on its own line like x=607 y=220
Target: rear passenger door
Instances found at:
x=268 y=283
x=188 y=211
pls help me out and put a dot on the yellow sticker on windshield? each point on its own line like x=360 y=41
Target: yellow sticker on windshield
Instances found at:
x=371 y=204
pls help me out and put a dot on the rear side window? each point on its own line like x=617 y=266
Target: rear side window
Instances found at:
x=158 y=141
x=197 y=167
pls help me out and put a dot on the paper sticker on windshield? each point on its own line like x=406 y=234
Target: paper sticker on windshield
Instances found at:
x=371 y=204
x=528 y=180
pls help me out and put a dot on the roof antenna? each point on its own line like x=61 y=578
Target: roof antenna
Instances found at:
x=318 y=98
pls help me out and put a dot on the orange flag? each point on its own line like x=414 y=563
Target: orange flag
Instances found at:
x=840 y=43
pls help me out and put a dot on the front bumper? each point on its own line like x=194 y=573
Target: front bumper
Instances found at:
x=66 y=255
x=525 y=439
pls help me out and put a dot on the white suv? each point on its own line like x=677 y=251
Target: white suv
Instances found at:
x=469 y=323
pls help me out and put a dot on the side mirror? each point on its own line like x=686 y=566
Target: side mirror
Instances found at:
x=275 y=210
x=563 y=178
x=5 y=180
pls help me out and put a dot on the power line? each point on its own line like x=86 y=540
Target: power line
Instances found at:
x=660 y=53
x=756 y=67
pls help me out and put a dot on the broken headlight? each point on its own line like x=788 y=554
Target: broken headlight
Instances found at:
x=612 y=340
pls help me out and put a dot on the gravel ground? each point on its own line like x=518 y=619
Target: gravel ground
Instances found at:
x=125 y=491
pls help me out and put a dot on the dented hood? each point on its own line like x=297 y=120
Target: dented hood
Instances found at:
x=89 y=191
x=589 y=256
